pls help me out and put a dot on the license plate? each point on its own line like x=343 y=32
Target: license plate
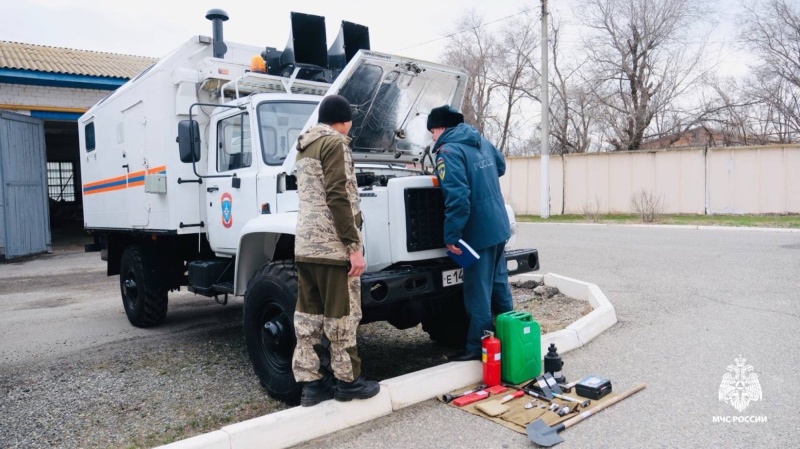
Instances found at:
x=452 y=277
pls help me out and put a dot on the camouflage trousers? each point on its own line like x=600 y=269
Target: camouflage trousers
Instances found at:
x=328 y=303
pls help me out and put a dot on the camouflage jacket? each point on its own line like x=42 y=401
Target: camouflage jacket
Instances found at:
x=328 y=218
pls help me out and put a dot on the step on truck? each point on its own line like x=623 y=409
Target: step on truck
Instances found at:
x=189 y=182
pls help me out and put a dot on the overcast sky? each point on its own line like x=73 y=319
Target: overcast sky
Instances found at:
x=408 y=27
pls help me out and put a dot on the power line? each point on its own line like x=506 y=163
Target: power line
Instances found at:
x=567 y=41
x=464 y=31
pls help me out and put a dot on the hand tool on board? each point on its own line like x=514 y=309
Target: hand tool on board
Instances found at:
x=562 y=411
x=497 y=389
x=543 y=435
x=530 y=392
x=568 y=387
x=449 y=397
x=508 y=397
x=569 y=399
x=470 y=398
x=545 y=384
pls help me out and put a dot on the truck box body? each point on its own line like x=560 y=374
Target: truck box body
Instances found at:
x=134 y=136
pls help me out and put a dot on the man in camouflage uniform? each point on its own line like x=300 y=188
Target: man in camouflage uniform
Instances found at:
x=328 y=253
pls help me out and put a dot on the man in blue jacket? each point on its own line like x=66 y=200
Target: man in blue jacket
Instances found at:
x=469 y=168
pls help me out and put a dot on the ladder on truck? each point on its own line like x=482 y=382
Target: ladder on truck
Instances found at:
x=251 y=82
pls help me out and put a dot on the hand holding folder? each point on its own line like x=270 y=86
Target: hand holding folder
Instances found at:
x=467 y=257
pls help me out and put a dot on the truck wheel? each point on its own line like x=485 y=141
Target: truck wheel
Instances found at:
x=269 y=305
x=447 y=322
x=143 y=294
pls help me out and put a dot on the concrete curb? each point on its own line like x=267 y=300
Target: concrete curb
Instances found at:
x=587 y=327
x=296 y=425
x=291 y=427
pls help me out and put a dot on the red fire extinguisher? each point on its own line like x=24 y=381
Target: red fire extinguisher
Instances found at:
x=490 y=348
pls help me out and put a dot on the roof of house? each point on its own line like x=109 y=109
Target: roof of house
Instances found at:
x=41 y=58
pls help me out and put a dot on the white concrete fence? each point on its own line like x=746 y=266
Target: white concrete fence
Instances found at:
x=729 y=180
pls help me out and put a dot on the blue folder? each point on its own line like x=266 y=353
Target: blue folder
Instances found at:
x=468 y=255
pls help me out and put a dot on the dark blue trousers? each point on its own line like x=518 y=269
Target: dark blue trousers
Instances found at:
x=486 y=293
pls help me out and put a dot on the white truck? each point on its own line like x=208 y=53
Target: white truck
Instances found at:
x=215 y=208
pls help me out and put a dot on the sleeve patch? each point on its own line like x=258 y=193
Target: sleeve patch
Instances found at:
x=440 y=170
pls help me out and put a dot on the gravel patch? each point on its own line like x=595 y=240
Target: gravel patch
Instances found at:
x=145 y=392
x=139 y=393
x=554 y=312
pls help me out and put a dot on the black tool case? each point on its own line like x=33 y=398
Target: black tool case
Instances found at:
x=593 y=387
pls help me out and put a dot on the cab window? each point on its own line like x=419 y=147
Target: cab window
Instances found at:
x=234 y=149
x=280 y=124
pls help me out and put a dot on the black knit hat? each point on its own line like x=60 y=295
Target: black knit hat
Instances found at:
x=335 y=109
x=444 y=117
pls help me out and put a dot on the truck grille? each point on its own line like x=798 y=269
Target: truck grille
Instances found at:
x=424 y=219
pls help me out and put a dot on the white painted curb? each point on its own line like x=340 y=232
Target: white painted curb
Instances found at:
x=291 y=427
x=587 y=327
x=299 y=424
x=212 y=440
x=422 y=385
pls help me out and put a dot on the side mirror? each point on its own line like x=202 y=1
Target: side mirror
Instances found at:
x=189 y=140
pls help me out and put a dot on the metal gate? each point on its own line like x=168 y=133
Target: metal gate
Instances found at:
x=24 y=213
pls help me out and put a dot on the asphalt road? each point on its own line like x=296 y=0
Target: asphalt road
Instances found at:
x=689 y=302
x=80 y=309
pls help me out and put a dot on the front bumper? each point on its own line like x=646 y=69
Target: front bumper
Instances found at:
x=390 y=286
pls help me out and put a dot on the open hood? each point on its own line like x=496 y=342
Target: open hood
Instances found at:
x=391 y=97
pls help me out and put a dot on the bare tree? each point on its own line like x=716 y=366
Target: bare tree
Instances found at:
x=643 y=64
x=471 y=47
x=515 y=72
x=753 y=111
x=732 y=121
x=572 y=106
x=771 y=30
x=502 y=75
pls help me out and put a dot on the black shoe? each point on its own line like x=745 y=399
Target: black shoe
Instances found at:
x=316 y=392
x=463 y=356
x=357 y=389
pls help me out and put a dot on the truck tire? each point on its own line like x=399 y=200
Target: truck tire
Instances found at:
x=447 y=322
x=143 y=293
x=269 y=305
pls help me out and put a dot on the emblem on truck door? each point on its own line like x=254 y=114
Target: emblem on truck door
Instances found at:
x=227 y=213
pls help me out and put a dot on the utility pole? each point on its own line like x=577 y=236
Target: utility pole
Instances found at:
x=544 y=200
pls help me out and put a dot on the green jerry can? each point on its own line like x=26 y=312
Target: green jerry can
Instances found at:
x=520 y=347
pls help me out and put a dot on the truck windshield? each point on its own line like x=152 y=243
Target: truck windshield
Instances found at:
x=281 y=123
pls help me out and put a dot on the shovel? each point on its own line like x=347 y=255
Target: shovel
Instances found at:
x=543 y=435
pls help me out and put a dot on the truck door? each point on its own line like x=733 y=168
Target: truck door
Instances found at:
x=230 y=207
x=133 y=140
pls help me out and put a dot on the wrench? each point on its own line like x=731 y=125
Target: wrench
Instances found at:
x=530 y=392
x=569 y=399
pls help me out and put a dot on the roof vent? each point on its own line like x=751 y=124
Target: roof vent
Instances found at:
x=217 y=16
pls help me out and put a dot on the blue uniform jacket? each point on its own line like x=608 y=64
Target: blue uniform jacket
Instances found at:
x=469 y=168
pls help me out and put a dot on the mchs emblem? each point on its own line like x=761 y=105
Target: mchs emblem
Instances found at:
x=739 y=385
x=226 y=201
